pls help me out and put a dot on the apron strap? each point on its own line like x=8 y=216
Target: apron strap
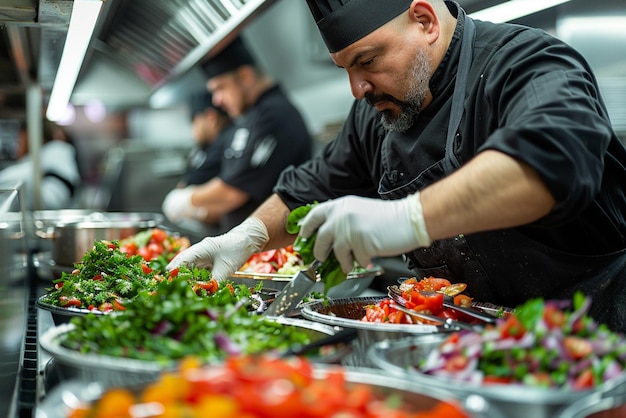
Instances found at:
x=458 y=97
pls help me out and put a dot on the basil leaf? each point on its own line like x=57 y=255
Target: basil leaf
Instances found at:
x=330 y=271
x=296 y=216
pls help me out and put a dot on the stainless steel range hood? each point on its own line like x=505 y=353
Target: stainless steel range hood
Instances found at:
x=161 y=40
x=148 y=43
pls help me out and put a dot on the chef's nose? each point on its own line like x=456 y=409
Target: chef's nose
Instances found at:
x=216 y=99
x=359 y=87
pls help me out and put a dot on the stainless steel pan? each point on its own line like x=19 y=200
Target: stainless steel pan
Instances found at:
x=71 y=240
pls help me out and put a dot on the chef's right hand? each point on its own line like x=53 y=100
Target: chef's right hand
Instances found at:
x=226 y=253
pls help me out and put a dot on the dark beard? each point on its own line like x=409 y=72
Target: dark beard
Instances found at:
x=416 y=94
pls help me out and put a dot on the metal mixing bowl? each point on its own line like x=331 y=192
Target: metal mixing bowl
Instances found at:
x=347 y=313
x=399 y=358
x=118 y=371
x=59 y=402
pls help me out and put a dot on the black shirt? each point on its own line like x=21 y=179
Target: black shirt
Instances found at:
x=530 y=96
x=269 y=137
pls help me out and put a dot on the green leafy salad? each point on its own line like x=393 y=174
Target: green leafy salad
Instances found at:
x=174 y=322
x=107 y=278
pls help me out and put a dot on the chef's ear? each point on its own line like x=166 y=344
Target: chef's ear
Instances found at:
x=246 y=74
x=425 y=14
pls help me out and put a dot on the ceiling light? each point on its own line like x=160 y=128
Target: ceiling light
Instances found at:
x=514 y=9
x=82 y=23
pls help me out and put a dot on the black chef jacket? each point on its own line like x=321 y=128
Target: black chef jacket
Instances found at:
x=534 y=98
x=204 y=163
x=270 y=136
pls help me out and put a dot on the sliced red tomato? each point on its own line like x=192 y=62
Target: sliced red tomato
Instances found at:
x=158 y=235
x=210 y=286
x=577 y=348
x=145 y=253
x=129 y=248
x=267 y=255
x=265 y=268
x=105 y=307
x=432 y=284
x=512 y=328
x=67 y=302
x=554 y=317
x=456 y=363
x=492 y=379
x=584 y=380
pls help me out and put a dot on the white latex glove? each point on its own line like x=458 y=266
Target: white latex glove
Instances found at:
x=177 y=205
x=225 y=253
x=358 y=228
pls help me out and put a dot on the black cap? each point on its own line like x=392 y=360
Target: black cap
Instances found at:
x=233 y=56
x=343 y=22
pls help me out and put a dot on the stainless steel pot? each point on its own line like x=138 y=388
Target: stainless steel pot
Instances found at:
x=71 y=240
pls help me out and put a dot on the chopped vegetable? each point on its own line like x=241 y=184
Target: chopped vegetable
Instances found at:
x=425 y=303
x=173 y=322
x=544 y=343
x=258 y=387
x=107 y=278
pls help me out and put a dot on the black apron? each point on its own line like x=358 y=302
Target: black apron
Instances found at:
x=505 y=266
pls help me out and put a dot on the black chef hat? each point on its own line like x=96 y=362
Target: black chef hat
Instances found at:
x=343 y=22
x=233 y=56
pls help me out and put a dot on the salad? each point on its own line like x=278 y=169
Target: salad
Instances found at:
x=552 y=344
x=156 y=246
x=411 y=291
x=173 y=322
x=258 y=387
x=108 y=277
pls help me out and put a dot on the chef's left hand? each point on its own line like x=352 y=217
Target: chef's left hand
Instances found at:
x=358 y=228
x=177 y=205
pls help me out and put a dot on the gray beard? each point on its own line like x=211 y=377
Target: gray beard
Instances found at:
x=415 y=96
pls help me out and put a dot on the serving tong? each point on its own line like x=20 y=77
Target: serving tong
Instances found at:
x=445 y=323
x=395 y=293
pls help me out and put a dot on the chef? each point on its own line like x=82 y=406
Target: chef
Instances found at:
x=269 y=135
x=482 y=152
